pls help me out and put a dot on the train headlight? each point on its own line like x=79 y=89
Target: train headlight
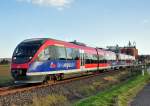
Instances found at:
x=30 y=57
x=14 y=58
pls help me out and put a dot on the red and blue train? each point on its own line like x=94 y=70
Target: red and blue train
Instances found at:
x=37 y=60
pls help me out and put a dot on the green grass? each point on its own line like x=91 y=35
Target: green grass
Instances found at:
x=117 y=95
x=5 y=75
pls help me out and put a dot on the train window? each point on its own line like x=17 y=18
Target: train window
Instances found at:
x=95 y=59
x=92 y=59
x=52 y=52
x=69 y=53
x=26 y=50
x=101 y=59
x=72 y=54
x=44 y=55
x=76 y=54
x=61 y=53
x=46 y=52
x=41 y=56
x=87 y=58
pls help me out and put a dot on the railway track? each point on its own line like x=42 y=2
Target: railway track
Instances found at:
x=11 y=87
x=26 y=87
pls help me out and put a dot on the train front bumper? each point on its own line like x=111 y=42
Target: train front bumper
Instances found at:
x=20 y=76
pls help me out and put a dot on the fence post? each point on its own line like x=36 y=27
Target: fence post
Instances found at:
x=143 y=70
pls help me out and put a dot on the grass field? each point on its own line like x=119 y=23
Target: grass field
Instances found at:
x=119 y=95
x=5 y=75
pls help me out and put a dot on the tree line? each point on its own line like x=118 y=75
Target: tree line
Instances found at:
x=4 y=61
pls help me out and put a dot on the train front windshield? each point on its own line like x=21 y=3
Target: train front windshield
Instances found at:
x=24 y=53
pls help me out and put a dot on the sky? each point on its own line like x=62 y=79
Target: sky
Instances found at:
x=98 y=23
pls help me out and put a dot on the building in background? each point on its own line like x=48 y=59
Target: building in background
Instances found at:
x=130 y=49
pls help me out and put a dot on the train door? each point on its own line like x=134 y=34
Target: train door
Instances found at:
x=82 y=60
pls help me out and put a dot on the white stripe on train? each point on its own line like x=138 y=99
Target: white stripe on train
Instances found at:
x=65 y=71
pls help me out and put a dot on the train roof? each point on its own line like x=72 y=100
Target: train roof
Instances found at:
x=74 y=44
x=37 y=40
x=34 y=40
x=78 y=43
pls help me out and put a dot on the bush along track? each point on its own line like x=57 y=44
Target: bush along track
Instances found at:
x=118 y=95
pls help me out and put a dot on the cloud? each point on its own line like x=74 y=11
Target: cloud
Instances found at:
x=60 y=4
x=145 y=21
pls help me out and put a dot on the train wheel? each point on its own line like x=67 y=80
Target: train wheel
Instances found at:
x=96 y=72
x=45 y=81
x=101 y=71
x=59 y=76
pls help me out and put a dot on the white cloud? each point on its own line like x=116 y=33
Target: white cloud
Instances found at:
x=60 y=4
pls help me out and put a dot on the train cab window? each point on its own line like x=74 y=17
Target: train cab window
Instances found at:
x=25 y=52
